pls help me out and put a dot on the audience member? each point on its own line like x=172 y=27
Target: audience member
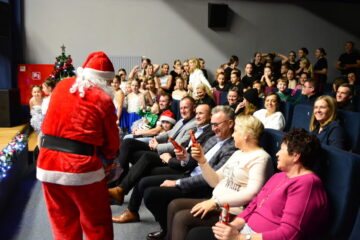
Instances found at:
x=118 y=97
x=321 y=68
x=235 y=183
x=249 y=78
x=250 y=103
x=290 y=75
x=349 y=61
x=268 y=80
x=221 y=85
x=283 y=92
x=231 y=65
x=179 y=90
x=292 y=61
x=144 y=157
x=204 y=95
x=344 y=96
x=234 y=98
x=196 y=77
x=309 y=93
x=292 y=205
x=260 y=88
x=165 y=80
x=323 y=123
x=202 y=67
x=270 y=116
x=258 y=66
x=175 y=170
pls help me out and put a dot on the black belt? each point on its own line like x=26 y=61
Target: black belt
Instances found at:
x=67 y=145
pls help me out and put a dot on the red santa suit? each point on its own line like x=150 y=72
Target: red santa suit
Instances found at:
x=80 y=123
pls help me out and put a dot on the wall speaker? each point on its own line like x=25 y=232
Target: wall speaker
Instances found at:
x=218 y=16
x=10 y=107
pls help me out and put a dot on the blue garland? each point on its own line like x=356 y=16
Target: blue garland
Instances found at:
x=17 y=144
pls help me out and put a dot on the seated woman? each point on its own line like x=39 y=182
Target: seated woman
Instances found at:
x=250 y=103
x=204 y=95
x=292 y=204
x=270 y=116
x=235 y=183
x=323 y=123
x=233 y=98
x=179 y=90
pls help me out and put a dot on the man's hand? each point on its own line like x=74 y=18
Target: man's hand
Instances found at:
x=181 y=155
x=168 y=183
x=153 y=144
x=165 y=157
x=197 y=152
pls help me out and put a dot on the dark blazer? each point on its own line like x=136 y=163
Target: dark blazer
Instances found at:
x=216 y=162
x=207 y=133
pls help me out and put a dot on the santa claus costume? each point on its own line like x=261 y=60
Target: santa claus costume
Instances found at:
x=79 y=125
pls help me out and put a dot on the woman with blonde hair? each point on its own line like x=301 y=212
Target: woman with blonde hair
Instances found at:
x=196 y=77
x=204 y=95
x=235 y=183
x=323 y=123
x=305 y=67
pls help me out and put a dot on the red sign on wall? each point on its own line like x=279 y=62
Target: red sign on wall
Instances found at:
x=29 y=75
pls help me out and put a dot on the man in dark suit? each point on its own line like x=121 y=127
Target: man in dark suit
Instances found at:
x=147 y=156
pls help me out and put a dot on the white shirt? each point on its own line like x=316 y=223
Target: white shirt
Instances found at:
x=274 y=121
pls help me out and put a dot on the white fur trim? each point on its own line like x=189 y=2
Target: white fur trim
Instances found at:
x=169 y=119
x=86 y=80
x=70 y=179
x=96 y=74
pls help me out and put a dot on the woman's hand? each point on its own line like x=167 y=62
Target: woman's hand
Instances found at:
x=197 y=152
x=225 y=232
x=203 y=208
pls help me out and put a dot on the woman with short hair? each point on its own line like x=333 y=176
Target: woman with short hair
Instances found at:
x=292 y=204
x=236 y=183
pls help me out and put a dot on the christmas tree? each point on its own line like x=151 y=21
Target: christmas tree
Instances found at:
x=63 y=67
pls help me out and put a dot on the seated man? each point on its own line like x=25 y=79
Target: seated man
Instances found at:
x=309 y=93
x=203 y=133
x=144 y=157
x=344 y=95
x=159 y=191
x=145 y=135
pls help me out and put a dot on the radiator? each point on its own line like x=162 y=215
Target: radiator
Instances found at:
x=126 y=62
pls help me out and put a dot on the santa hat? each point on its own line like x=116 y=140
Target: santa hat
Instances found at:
x=95 y=71
x=168 y=116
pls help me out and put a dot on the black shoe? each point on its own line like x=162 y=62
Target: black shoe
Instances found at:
x=156 y=235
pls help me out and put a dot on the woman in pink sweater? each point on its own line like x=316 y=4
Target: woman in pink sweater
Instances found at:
x=291 y=205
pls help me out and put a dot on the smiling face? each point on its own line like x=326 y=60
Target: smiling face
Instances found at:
x=202 y=114
x=232 y=97
x=321 y=111
x=271 y=103
x=282 y=86
x=200 y=93
x=36 y=92
x=186 y=109
x=221 y=125
x=343 y=94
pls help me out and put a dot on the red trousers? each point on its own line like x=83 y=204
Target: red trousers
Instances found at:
x=76 y=209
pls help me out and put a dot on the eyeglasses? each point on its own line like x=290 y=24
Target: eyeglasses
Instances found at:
x=217 y=124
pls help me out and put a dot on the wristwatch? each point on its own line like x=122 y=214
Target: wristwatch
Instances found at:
x=248 y=237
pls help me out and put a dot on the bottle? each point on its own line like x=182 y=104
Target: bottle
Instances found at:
x=193 y=138
x=225 y=214
x=176 y=145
